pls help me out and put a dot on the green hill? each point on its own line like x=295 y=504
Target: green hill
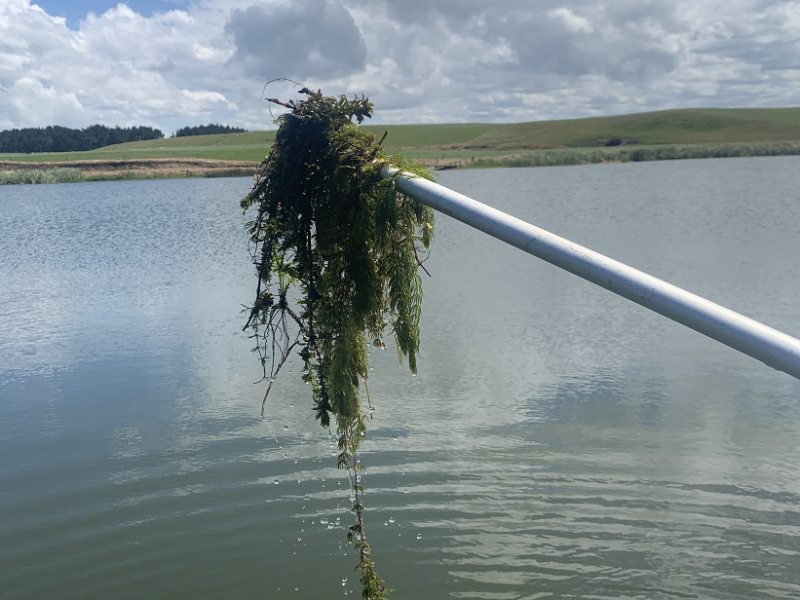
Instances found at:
x=685 y=126
x=482 y=140
x=219 y=140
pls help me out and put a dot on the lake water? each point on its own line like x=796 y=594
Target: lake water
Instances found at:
x=558 y=441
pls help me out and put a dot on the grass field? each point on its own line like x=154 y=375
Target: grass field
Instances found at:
x=483 y=143
x=219 y=140
x=665 y=127
x=238 y=153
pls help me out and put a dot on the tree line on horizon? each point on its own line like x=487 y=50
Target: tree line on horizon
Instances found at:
x=209 y=129
x=55 y=138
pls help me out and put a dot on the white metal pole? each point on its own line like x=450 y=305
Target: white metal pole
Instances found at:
x=741 y=333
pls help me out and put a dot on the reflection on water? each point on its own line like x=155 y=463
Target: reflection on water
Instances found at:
x=557 y=441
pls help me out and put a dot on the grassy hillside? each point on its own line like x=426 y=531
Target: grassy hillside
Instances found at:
x=483 y=140
x=135 y=151
x=700 y=126
x=787 y=116
x=421 y=136
x=220 y=140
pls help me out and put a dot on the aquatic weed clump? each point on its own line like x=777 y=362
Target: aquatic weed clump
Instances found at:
x=336 y=236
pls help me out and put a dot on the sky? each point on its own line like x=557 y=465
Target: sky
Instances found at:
x=173 y=63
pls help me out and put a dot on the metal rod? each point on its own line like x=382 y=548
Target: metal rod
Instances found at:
x=770 y=346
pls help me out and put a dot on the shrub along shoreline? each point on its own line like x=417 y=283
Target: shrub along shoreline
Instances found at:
x=57 y=175
x=621 y=154
x=111 y=170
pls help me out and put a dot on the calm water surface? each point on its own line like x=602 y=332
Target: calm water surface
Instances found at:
x=558 y=441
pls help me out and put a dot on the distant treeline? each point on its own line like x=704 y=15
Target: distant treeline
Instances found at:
x=63 y=139
x=207 y=130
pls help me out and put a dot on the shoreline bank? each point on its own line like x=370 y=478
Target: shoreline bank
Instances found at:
x=156 y=168
x=141 y=168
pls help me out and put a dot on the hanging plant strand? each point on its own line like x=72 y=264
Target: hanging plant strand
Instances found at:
x=337 y=254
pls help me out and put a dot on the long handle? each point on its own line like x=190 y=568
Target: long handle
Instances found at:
x=770 y=346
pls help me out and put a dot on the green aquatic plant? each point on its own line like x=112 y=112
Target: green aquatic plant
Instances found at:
x=337 y=254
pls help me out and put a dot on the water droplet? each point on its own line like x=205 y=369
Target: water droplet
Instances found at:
x=392 y=519
x=344 y=581
x=276 y=482
x=345 y=592
x=419 y=536
x=330 y=525
x=297 y=589
x=295 y=461
x=386 y=522
x=338 y=520
x=286 y=428
x=312 y=521
x=323 y=521
x=394 y=436
x=299 y=539
x=405 y=491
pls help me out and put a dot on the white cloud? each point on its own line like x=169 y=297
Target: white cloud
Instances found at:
x=570 y=20
x=418 y=60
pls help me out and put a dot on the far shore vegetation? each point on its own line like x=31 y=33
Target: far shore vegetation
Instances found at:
x=663 y=135
x=591 y=156
x=56 y=175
